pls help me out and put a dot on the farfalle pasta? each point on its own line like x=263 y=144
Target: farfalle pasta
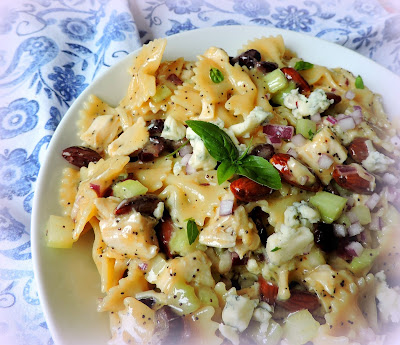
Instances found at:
x=248 y=199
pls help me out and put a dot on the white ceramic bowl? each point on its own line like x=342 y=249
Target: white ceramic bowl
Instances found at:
x=67 y=279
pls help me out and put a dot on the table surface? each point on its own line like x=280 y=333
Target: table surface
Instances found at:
x=51 y=50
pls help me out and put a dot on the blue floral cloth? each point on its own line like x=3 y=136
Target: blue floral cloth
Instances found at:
x=51 y=50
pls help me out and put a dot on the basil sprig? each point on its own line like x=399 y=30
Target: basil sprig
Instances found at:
x=221 y=147
x=303 y=65
x=216 y=75
x=191 y=230
x=359 y=83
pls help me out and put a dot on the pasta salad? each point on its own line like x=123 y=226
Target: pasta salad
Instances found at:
x=238 y=200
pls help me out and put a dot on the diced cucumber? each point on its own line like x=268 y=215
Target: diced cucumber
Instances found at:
x=179 y=244
x=183 y=298
x=208 y=297
x=162 y=93
x=278 y=97
x=363 y=214
x=306 y=128
x=59 y=232
x=128 y=189
x=330 y=206
x=276 y=81
x=363 y=263
x=300 y=327
x=344 y=220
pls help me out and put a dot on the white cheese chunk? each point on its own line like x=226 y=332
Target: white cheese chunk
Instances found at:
x=200 y=159
x=300 y=213
x=158 y=212
x=238 y=311
x=388 y=299
x=255 y=118
x=229 y=333
x=173 y=130
x=377 y=162
x=302 y=106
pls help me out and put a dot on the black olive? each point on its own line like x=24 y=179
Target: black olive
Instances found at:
x=249 y=58
x=257 y=215
x=266 y=66
x=324 y=237
x=144 y=204
x=155 y=127
x=265 y=151
x=170 y=327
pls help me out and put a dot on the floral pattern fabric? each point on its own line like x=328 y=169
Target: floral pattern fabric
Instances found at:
x=51 y=50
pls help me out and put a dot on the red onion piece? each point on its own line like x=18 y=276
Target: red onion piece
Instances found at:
x=375 y=224
x=357 y=107
x=316 y=118
x=187 y=149
x=325 y=161
x=143 y=266
x=346 y=123
x=278 y=131
x=299 y=140
x=185 y=159
x=392 y=194
x=355 y=229
x=350 y=201
x=350 y=95
x=189 y=169
x=372 y=201
x=341 y=116
x=225 y=207
x=354 y=249
x=339 y=230
x=332 y=120
x=275 y=140
x=292 y=152
x=357 y=116
x=96 y=188
x=390 y=179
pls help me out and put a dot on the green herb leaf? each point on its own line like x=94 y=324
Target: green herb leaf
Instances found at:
x=216 y=75
x=191 y=230
x=246 y=151
x=218 y=143
x=178 y=149
x=225 y=171
x=359 y=83
x=276 y=249
x=260 y=170
x=303 y=65
x=311 y=134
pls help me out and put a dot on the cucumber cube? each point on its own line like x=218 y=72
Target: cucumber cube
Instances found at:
x=162 y=93
x=300 y=327
x=306 y=128
x=363 y=214
x=186 y=301
x=128 y=189
x=278 y=97
x=276 y=81
x=362 y=264
x=208 y=297
x=59 y=232
x=330 y=206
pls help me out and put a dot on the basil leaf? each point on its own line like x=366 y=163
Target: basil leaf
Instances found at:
x=359 y=83
x=218 y=143
x=303 y=65
x=225 y=171
x=276 y=249
x=191 y=230
x=216 y=75
x=260 y=170
x=246 y=151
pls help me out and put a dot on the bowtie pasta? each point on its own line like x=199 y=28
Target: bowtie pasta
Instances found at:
x=244 y=200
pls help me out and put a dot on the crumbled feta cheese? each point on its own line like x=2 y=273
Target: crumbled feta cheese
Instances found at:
x=300 y=213
x=177 y=169
x=288 y=242
x=173 y=130
x=238 y=311
x=388 y=299
x=377 y=162
x=302 y=106
x=229 y=333
x=200 y=159
x=255 y=118
x=261 y=315
x=158 y=212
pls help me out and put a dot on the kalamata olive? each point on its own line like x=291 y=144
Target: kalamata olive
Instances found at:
x=149 y=301
x=154 y=147
x=249 y=58
x=155 y=127
x=336 y=98
x=257 y=215
x=292 y=74
x=266 y=66
x=324 y=237
x=265 y=151
x=80 y=156
x=170 y=327
x=237 y=261
x=164 y=230
x=173 y=78
x=144 y=204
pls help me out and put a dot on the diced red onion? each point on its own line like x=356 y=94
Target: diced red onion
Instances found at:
x=185 y=159
x=350 y=201
x=346 y=123
x=143 y=266
x=225 y=207
x=278 y=131
x=354 y=249
x=187 y=149
x=375 y=224
x=332 y=120
x=96 y=188
x=299 y=140
x=392 y=194
x=292 y=152
x=189 y=169
x=357 y=116
x=362 y=236
x=325 y=161
x=316 y=118
x=357 y=107
x=372 y=201
x=350 y=95
x=355 y=229
x=341 y=116
x=390 y=179
x=339 y=230
x=352 y=217
x=275 y=140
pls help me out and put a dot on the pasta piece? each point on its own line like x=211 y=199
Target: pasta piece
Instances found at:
x=185 y=103
x=126 y=119
x=271 y=48
x=134 y=138
x=166 y=69
x=68 y=189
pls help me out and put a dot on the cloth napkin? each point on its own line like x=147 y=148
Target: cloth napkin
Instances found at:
x=51 y=50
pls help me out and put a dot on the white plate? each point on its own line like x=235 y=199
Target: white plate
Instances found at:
x=67 y=280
